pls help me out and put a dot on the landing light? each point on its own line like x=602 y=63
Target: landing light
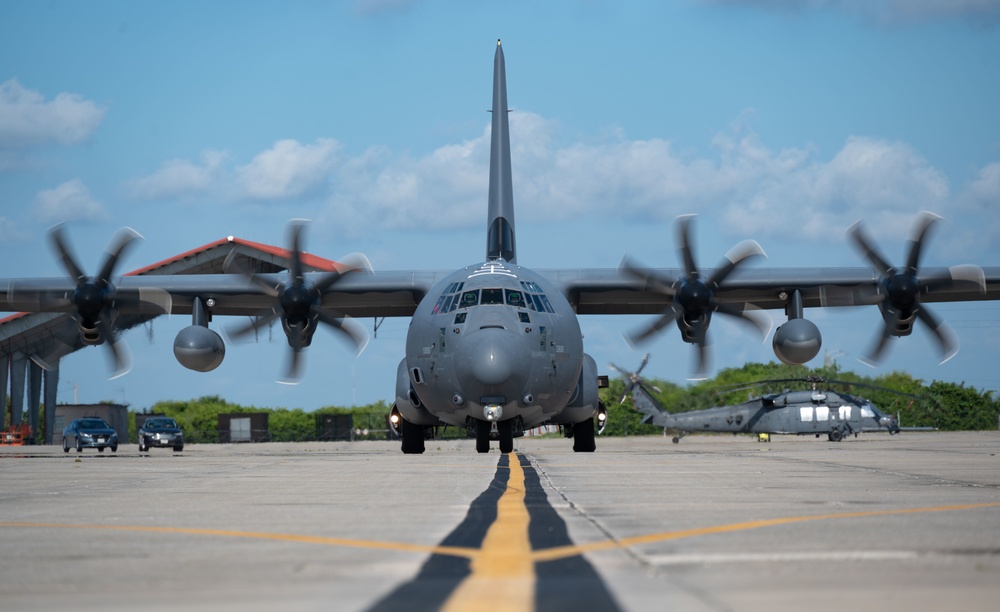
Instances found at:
x=492 y=412
x=394 y=418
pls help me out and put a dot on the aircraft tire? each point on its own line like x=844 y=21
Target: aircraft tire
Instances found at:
x=506 y=430
x=482 y=437
x=413 y=438
x=583 y=437
x=836 y=435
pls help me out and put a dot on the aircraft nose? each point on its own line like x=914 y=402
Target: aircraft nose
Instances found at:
x=493 y=357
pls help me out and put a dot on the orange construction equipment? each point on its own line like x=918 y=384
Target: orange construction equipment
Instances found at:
x=15 y=435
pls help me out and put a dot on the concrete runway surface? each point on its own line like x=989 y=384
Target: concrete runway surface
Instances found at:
x=907 y=522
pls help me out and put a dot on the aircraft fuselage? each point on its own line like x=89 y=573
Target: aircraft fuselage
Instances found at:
x=494 y=342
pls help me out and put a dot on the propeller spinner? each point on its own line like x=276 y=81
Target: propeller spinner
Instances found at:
x=692 y=299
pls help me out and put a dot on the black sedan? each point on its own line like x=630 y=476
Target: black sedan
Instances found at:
x=160 y=431
x=90 y=432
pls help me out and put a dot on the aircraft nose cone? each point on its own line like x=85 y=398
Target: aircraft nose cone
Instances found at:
x=491 y=358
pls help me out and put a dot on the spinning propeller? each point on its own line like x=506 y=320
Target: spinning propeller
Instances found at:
x=898 y=290
x=692 y=299
x=94 y=304
x=299 y=303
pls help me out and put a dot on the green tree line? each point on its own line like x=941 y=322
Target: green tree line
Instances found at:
x=943 y=405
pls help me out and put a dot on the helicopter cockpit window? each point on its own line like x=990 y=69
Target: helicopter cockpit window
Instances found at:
x=866 y=411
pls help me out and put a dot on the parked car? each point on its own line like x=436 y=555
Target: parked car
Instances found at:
x=90 y=432
x=160 y=431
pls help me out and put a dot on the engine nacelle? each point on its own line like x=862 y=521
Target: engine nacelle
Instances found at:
x=198 y=348
x=797 y=341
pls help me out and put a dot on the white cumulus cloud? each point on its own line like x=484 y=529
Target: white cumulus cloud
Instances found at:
x=287 y=170
x=70 y=201
x=28 y=119
x=179 y=177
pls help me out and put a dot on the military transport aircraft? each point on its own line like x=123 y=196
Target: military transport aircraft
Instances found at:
x=816 y=411
x=492 y=346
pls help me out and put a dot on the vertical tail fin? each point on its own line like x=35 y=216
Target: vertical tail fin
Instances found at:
x=500 y=230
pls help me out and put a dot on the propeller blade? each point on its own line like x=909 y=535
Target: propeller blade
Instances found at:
x=293 y=368
x=748 y=313
x=946 y=340
x=124 y=238
x=734 y=258
x=264 y=319
x=231 y=265
x=295 y=229
x=874 y=356
x=347 y=326
x=923 y=224
x=352 y=262
x=645 y=360
x=121 y=357
x=878 y=262
x=66 y=257
x=671 y=314
x=66 y=338
x=701 y=363
x=684 y=245
x=650 y=280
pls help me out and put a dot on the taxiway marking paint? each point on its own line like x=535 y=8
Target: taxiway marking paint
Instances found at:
x=281 y=537
x=571 y=551
x=503 y=572
x=537 y=556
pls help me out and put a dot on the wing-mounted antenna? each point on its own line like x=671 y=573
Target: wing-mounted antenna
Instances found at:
x=500 y=227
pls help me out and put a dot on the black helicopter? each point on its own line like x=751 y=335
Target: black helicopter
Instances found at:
x=817 y=411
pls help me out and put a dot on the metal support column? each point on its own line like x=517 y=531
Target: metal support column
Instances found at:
x=4 y=378
x=18 y=368
x=51 y=387
x=34 y=397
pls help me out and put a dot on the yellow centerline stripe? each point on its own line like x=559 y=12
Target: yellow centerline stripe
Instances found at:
x=562 y=552
x=503 y=573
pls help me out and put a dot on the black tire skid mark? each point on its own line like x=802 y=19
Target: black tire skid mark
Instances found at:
x=441 y=574
x=571 y=583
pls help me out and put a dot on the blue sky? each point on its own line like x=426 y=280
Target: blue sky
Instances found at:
x=775 y=120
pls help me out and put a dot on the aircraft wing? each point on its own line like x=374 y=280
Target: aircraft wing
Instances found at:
x=603 y=291
x=360 y=294
x=397 y=293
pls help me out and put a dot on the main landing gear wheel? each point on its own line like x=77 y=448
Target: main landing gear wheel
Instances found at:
x=583 y=437
x=506 y=430
x=482 y=436
x=413 y=437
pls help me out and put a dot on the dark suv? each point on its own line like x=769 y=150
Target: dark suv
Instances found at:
x=160 y=431
x=90 y=432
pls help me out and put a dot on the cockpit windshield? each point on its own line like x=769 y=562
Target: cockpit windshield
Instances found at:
x=454 y=297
